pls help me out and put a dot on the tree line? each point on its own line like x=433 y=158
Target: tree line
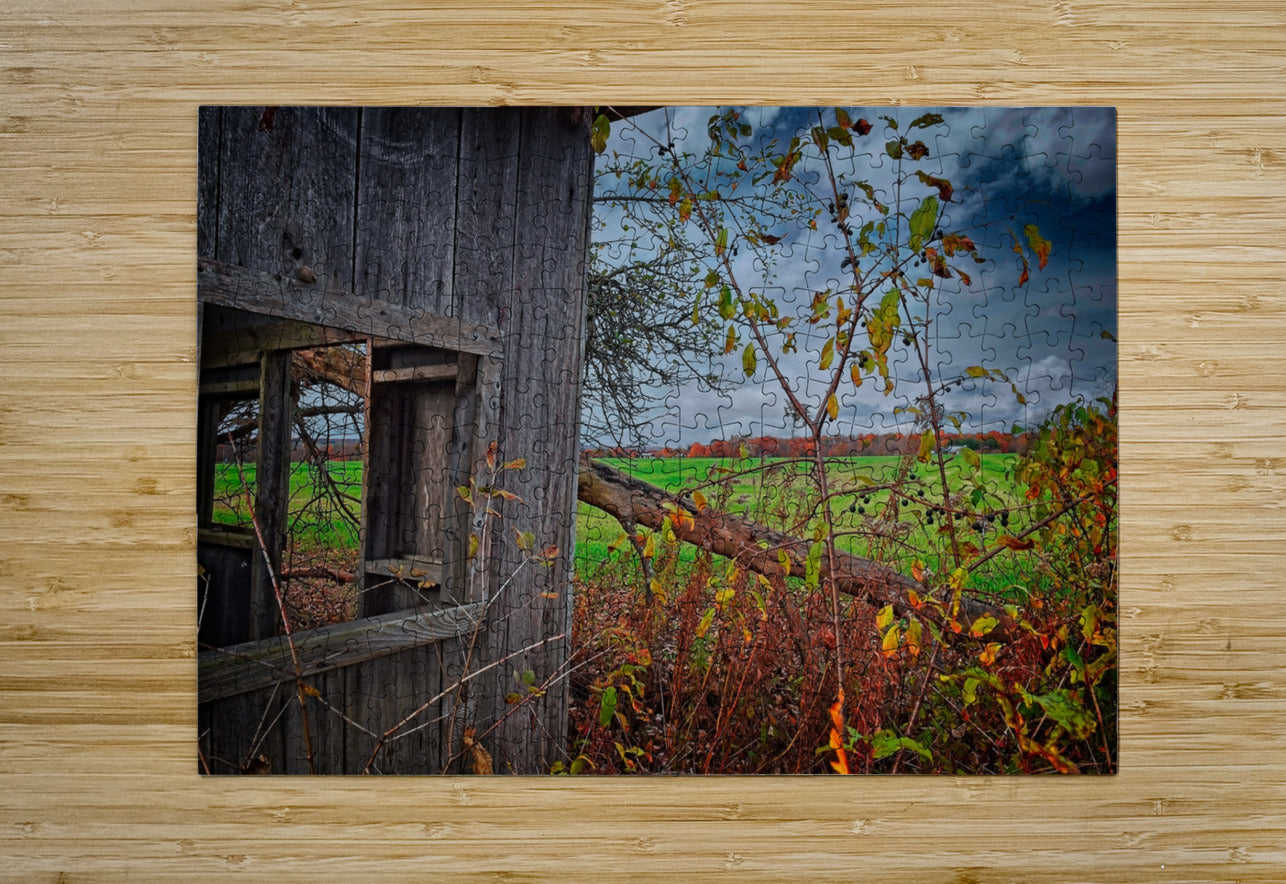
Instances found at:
x=857 y=445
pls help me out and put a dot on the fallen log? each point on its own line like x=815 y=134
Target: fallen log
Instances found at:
x=758 y=548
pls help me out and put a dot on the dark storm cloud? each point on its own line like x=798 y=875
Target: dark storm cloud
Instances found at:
x=1054 y=168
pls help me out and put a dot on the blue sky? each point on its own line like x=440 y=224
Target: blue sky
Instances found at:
x=1010 y=167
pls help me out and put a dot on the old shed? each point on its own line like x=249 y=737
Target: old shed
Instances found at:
x=438 y=254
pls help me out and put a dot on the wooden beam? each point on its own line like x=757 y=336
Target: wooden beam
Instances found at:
x=416 y=373
x=242 y=346
x=276 y=295
x=272 y=490
x=418 y=570
x=238 y=669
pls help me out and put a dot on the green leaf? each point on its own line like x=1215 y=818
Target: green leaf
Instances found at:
x=748 y=360
x=983 y=625
x=894 y=149
x=706 y=620
x=923 y=221
x=727 y=309
x=926 y=121
x=1070 y=715
x=598 y=133
x=607 y=707
x=813 y=567
x=885 y=743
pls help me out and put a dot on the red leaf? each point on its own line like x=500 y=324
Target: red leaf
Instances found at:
x=862 y=127
x=1014 y=543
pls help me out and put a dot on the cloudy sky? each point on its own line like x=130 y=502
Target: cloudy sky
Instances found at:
x=1009 y=167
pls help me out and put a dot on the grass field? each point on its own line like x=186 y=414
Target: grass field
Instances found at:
x=782 y=495
x=775 y=492
x=316 y=516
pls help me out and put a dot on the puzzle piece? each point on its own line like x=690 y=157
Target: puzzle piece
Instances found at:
x=507 y=465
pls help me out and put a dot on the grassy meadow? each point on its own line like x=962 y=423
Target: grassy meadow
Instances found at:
x=897 y=527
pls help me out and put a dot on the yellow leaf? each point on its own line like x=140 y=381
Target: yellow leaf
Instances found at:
x=828 y=354
x=884 y=619
x=891 y=639
x=832 y=407
x=658 y=591
x=310 y=690
x=699 y=499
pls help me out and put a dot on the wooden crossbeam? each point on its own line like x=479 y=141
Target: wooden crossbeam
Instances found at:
x=287 y=298
x=238 y=669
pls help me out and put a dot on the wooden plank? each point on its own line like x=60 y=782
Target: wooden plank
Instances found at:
x=282 y=173
x=207 y=446
x=485 y=430
x=486 y=211
x=244 y=345
x=236 y=669
x=544 y=304
x=416 y=373
x=406 y=232
x=225 y=536
x=209 y=129
x=271 y=492
x=276 y=295
x=240 y=388
x=415 y=569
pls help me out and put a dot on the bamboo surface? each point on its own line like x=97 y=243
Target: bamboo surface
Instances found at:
x=98 y=133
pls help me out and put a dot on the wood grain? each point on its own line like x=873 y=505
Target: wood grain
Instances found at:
x=98 y=128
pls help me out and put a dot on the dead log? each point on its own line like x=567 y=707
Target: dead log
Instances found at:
x=758 y=548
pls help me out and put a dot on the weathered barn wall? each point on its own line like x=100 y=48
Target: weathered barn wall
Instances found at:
x=481 y=215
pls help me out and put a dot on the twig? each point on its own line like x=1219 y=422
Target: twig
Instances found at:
x=285 y=621
x=392 y=732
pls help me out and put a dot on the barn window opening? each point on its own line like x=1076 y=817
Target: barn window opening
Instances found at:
x=329 y=465
x=298 y=415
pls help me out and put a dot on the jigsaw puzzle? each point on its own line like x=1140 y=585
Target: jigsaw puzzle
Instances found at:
x=631 y=440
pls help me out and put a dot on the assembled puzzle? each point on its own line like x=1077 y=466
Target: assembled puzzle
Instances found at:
x=657 y=440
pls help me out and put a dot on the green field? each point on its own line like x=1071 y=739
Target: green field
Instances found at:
x=317 y=503
x=782 y=495
x=772 y=491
